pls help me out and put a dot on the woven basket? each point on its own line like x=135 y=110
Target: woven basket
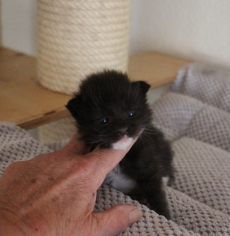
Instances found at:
x=75 y=38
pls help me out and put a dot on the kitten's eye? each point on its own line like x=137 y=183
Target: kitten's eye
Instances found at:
x=131 y=113
x=103 y=120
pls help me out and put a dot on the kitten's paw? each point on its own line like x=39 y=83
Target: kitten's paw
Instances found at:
x=165 y=181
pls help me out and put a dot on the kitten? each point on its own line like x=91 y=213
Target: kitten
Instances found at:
x=110 y=111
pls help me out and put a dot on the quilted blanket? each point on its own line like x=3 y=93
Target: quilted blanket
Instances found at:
x=195 y=116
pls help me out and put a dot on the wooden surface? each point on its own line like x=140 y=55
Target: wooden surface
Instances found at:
x=25 y=102
x=22 y=100
x=155 y=68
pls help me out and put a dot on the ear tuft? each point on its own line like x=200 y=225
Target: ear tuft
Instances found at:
x=142 y=86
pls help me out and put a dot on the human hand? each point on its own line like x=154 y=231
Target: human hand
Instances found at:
x=55 y=193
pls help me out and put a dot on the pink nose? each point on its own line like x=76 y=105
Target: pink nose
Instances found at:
x=122 y=131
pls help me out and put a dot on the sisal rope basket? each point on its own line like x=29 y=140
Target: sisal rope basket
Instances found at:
x=78 y=37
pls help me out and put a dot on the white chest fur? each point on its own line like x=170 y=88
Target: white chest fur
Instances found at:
x=123 y=143
x=119 y=181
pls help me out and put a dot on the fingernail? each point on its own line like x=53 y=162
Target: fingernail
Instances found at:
x=134 y=216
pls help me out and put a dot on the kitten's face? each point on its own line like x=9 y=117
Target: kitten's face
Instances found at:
x=110 y=110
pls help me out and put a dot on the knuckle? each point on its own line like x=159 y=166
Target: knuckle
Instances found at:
x=16 y=165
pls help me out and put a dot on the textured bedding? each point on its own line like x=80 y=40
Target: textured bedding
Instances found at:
x=195 y=116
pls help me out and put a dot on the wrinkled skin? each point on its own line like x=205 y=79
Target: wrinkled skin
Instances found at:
x=54 y=194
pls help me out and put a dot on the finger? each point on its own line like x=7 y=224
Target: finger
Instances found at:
x=104 y=160
x=116 y=219
x=17 y=166
x=76 y=145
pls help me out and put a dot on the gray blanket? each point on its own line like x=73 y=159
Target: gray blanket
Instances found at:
x=195 y=116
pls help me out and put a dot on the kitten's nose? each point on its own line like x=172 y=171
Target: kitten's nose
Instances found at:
x=122 y=131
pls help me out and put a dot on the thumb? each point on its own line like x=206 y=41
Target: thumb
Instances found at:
x=75 y=145
x=116 y=219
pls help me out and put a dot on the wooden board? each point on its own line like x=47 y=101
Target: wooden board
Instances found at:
x=22 y=99
x=25 y=102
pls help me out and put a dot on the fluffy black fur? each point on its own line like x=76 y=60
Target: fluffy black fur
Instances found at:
x=109 y=106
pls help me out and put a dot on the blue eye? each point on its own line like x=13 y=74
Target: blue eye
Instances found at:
x=131 y=113
x=103 y=120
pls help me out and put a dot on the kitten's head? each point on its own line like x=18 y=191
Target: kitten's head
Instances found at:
x=109 y=108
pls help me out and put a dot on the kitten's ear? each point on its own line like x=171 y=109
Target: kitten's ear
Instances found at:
x=141 y=85
x=74 y=105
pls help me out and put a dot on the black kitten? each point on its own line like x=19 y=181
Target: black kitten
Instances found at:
x=110 y=111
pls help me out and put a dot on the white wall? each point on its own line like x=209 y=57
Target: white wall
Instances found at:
x=192 y=29
x=19 y=25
